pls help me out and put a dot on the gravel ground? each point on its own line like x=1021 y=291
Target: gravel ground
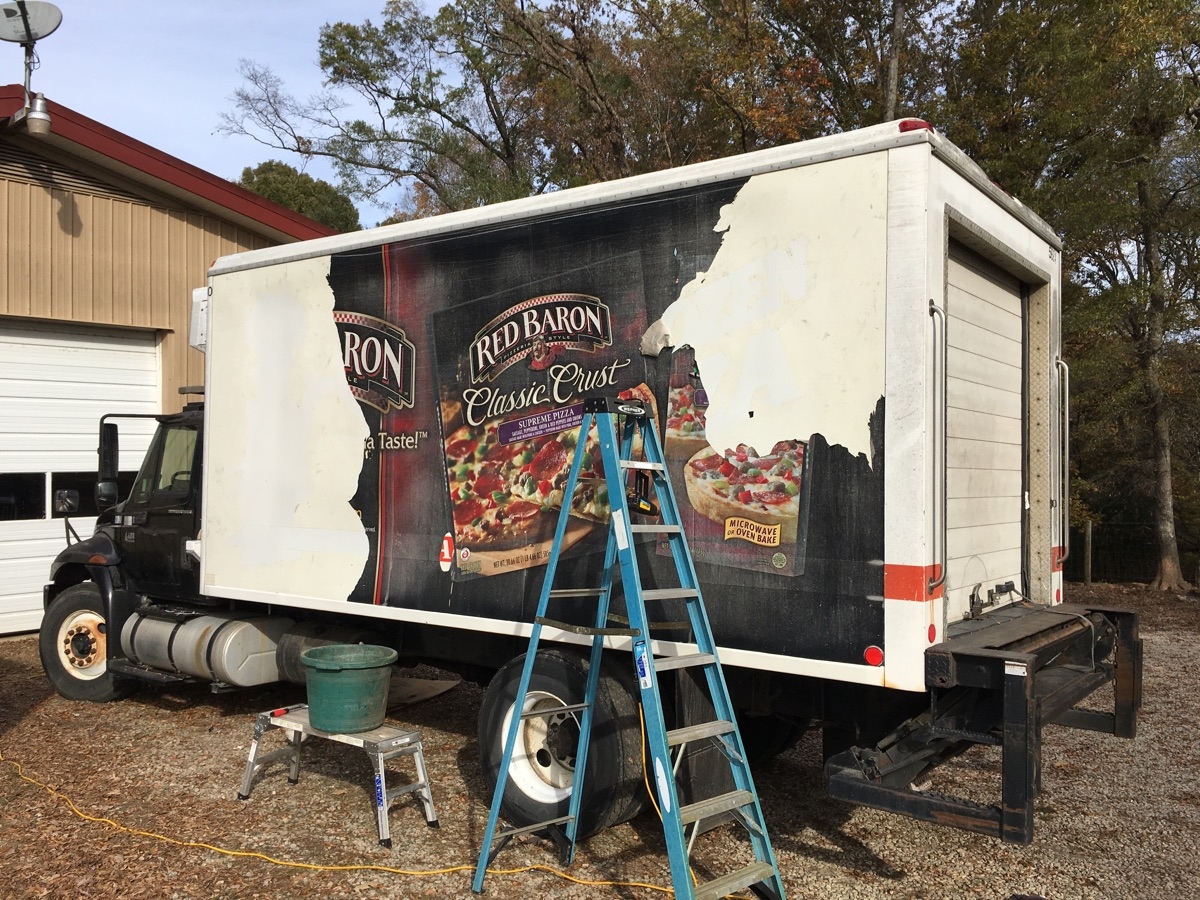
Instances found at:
x=137 y=799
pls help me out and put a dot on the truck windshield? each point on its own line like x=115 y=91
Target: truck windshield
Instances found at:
x=166 y=474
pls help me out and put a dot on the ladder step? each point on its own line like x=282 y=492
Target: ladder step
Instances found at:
x=513 y=832
x=577 y=592
x=642 y=464
x=714 y=806
x=554 y=711
x=733 y=881
x=690 y=733
x=656 y=528
x=685 y=661
x=670 y=594
x=586 y=629
x=661 y=626
x=669 y=626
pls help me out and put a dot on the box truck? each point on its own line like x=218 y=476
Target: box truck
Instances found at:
x=852 y=349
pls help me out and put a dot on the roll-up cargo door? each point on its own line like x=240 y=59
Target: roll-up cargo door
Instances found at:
x=985 y=434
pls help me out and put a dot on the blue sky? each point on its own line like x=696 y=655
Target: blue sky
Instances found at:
x=163 y=71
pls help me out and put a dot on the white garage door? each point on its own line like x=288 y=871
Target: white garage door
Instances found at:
x=56 y=382
x=984 y=434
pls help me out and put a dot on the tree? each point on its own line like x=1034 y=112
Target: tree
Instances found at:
x=1082 y=109
x=319 y=200
x=496 y=99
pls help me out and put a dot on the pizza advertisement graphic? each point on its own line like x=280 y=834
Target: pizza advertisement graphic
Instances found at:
x=740 y=506
x=514 y=369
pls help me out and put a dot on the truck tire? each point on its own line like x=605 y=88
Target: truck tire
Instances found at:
x=73 y=644
x=540 y=778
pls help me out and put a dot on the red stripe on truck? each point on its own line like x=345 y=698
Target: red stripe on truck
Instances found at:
x=910 y=582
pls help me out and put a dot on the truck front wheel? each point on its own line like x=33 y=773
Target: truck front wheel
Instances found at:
x=543 y=766
x=73 y=643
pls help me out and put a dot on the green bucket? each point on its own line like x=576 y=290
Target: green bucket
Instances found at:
x=348 y=686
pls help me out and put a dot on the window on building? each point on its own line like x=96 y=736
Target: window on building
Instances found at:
x=22 y=496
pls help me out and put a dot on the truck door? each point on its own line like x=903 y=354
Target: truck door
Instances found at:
x=160 y=515
x=985 y=430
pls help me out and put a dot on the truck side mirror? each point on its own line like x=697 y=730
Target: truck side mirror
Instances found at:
x=106 y=495
x=109 y=452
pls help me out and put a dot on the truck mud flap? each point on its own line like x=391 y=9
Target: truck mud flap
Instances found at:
x=998 y=680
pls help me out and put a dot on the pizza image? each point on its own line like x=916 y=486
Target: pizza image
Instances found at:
x=501 y=492
x=685 y=422
x=741 y=484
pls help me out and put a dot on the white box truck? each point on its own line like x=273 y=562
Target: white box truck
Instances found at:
x=852 y=345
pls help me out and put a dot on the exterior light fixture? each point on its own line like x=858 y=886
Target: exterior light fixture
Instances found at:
x=25 y=22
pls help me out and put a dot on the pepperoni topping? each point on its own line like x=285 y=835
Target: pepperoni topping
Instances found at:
x=462 y=449
x=548 y=461
x=739 y=478
x=708 y=463
x=485 y=484
x=467 y=511
x=502 y=452
x=522 y=509
x=772 y=497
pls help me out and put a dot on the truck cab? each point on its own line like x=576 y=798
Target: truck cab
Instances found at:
x=153 y=526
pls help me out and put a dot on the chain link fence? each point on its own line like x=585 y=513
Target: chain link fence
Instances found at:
x=1122 y=552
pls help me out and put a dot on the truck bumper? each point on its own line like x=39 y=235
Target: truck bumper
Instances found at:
x=999 y=679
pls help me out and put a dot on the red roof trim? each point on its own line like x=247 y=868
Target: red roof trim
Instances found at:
x=71 y=126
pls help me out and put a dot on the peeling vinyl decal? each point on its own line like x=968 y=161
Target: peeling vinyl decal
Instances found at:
x=787 y=322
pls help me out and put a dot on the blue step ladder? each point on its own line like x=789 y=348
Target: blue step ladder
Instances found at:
x=632 y=418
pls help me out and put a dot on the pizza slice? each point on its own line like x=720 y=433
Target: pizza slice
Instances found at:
x=740 y=484
x=685 y=434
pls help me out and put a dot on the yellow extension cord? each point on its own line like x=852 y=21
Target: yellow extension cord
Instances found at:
x=357 y=867
x=364 y=867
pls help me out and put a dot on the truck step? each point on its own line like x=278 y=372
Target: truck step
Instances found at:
x=129 y=669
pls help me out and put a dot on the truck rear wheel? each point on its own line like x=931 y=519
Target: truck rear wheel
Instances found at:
x=543 y=766
x=73 y=644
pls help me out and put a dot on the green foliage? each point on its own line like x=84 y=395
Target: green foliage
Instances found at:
x=287 y=186
x=1085 y=109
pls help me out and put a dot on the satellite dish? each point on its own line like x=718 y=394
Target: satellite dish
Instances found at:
x=28 y=21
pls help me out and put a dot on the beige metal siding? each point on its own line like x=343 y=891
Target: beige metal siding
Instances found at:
x=74 y=255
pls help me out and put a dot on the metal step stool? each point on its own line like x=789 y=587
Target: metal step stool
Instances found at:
x=381 y=744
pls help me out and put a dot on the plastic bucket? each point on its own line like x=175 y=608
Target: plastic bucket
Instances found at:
x=348 y=686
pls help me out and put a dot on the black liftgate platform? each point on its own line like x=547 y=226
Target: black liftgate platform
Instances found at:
x=999 y=679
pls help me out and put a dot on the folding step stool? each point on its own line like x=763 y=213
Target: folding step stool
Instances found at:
x=381 y=744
